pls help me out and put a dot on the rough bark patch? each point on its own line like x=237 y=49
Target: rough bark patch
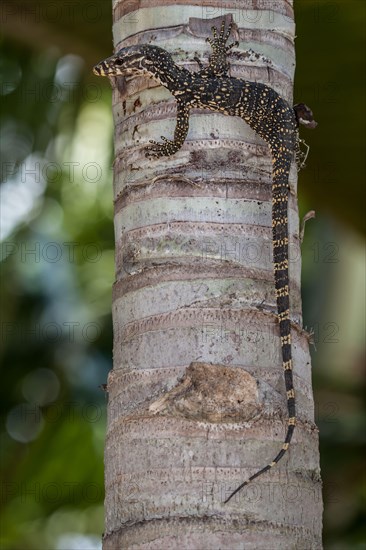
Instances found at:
x=213 y=393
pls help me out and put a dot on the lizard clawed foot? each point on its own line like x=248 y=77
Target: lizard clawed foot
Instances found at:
x=219 y=42
x=198 y=61
x=301 y=154
x=157 y=149
x=232 y=45
x=218 y=65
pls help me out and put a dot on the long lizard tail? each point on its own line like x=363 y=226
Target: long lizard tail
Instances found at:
x=281 y=168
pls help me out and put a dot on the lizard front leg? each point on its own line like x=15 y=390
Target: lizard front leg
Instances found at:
x=169 y=147
x=218 y=64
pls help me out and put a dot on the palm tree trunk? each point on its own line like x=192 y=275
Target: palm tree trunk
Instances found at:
x=196 y=396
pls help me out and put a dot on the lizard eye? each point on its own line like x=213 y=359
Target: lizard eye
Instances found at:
x=118 y=62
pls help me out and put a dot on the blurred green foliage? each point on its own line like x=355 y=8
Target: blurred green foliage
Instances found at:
x=56 y=280
x=330 y=77
x=57 y=265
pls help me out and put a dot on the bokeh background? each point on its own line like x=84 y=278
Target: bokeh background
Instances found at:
x=57 y=264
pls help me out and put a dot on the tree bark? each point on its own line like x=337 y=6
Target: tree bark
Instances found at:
x=196 y=396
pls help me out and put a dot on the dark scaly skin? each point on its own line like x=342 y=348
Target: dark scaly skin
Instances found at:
x=269 y=115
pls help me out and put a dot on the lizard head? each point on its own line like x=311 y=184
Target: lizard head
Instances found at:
x=134 y=60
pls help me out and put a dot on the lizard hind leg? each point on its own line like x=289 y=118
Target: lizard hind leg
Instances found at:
x=301 y=153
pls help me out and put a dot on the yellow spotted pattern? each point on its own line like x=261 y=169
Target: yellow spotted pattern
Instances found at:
x=266 y=112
